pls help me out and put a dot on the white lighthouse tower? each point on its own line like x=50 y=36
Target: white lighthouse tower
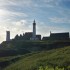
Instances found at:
x=34 y=31
x=7 y=35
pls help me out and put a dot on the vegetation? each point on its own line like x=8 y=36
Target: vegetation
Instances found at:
x=56 y=59
x=35 y=55
x=33 y=46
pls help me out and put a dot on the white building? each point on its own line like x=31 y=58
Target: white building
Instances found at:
x=34 y=32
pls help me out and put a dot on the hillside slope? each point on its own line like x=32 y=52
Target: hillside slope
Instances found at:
x=22 y=47
x=56 y=58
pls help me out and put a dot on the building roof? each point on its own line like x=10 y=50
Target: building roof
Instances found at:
x=59 y=34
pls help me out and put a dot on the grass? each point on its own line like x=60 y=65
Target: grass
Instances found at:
x=58 y=57
x=50 y=68
x=2 y=59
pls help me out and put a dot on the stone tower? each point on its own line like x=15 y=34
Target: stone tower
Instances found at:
x=7 y=35
x=34 y=29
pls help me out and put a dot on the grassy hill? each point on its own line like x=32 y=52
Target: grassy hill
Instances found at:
x=55 y=59
x=22 y=47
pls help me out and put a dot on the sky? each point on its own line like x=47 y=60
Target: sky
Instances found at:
x=17 y=16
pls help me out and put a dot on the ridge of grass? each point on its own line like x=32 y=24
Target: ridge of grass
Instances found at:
x=53 y=58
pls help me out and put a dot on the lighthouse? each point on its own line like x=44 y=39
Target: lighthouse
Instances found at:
x=34 y=31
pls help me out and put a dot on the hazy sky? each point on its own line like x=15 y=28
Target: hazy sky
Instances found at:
x=18 y=15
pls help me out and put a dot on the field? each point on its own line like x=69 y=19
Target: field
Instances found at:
x=56 y=59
